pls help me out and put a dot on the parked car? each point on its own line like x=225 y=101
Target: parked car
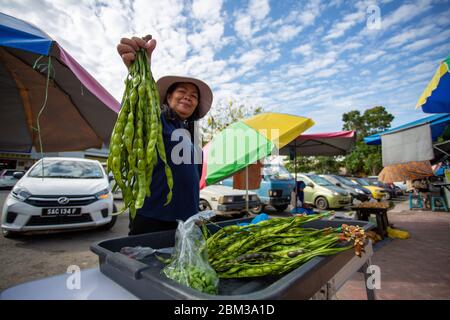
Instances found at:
x=389 y=187
x=226 y=200
x=377 y=192
x=355 y=190
x=117 y=193
x=7 y=179
x=322 y=193
x=402 y=186
x=276 y=186
x=59 y=194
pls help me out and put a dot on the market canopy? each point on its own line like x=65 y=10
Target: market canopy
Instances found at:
x=79 y=113
x=441 y=152
x=321 y=144
x=437 y=123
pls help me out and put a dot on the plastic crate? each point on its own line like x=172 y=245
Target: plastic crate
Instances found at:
x=145 y=280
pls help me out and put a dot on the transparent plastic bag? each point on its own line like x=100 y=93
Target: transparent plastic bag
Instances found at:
x=140 y=253
x=189 y=264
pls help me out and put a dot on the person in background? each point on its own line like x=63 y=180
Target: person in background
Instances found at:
x=422 y=188
x=298 y=197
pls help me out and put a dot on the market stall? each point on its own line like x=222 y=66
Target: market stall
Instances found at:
x=319 y=144
x=243 y=143
x=408 y=149
x=128 y=278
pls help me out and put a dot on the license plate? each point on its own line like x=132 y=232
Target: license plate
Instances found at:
x=52 y=212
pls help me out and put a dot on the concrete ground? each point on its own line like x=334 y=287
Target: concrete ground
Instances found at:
x=412 y=269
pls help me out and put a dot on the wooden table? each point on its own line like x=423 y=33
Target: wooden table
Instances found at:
x=381 y=216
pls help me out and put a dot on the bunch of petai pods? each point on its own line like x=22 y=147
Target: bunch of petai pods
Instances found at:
x=136 y=140
x=276 y=246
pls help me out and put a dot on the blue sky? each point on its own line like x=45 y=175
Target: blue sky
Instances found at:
x=312 y=58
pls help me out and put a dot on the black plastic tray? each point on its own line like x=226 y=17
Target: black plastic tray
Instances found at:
x=145 y=280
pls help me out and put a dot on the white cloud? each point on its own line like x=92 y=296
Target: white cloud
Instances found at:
x=408 y=35
x=259 y=9
x=304 y=49
x=309 y=14
x=250 y=21
x=206 y=9
x=346 y=23
x=421 y=44
x=243 y=26
x=405 y=13
x=373 y=56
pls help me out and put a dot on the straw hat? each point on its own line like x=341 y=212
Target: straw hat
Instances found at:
x=206 y=96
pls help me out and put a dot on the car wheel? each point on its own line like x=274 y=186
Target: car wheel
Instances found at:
x=204 y=205
x=321 y=203
x=110 y=224
x=9 y=234
x=281 y=208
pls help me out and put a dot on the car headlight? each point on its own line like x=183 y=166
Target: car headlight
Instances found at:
x=359 y=191
x=270 y=193
x=254 y=197
x=20 y=193
x=335 y=193
x=104 y=194
x=225 y=199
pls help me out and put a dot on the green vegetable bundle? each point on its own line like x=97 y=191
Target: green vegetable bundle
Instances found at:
x=196 y=278
x=271 y=247
x=136 y=140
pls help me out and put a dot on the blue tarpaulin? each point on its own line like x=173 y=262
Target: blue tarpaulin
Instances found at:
x=15 y=33
x=438 y=123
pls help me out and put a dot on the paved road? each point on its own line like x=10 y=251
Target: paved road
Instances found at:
x=31 y=257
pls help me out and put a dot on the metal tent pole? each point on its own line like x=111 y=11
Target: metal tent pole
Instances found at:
x=246 y=189
x=295 y=171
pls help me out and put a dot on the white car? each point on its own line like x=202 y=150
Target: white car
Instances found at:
x=63 y=193
x=226 y=200
x=7 y=179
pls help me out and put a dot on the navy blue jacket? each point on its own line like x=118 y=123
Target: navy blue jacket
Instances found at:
x=186 y=181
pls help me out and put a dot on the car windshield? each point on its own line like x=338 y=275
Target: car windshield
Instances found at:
x=9 y=173
x=345 y=181
x=363 y=182
x=319 y=180
x=69 y=169
x=277 y=172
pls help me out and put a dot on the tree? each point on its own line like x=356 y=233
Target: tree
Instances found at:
x=224 y=114
x=366 y=159
x=319 y=164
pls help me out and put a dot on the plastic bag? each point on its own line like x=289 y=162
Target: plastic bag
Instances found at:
x=140 y=253
x=189 y=265
x=397 y=233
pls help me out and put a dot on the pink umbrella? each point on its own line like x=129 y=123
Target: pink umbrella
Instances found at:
x=321 y=144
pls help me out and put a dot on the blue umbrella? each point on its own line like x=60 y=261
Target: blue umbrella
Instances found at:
x=436 y=96
x=46 y=98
